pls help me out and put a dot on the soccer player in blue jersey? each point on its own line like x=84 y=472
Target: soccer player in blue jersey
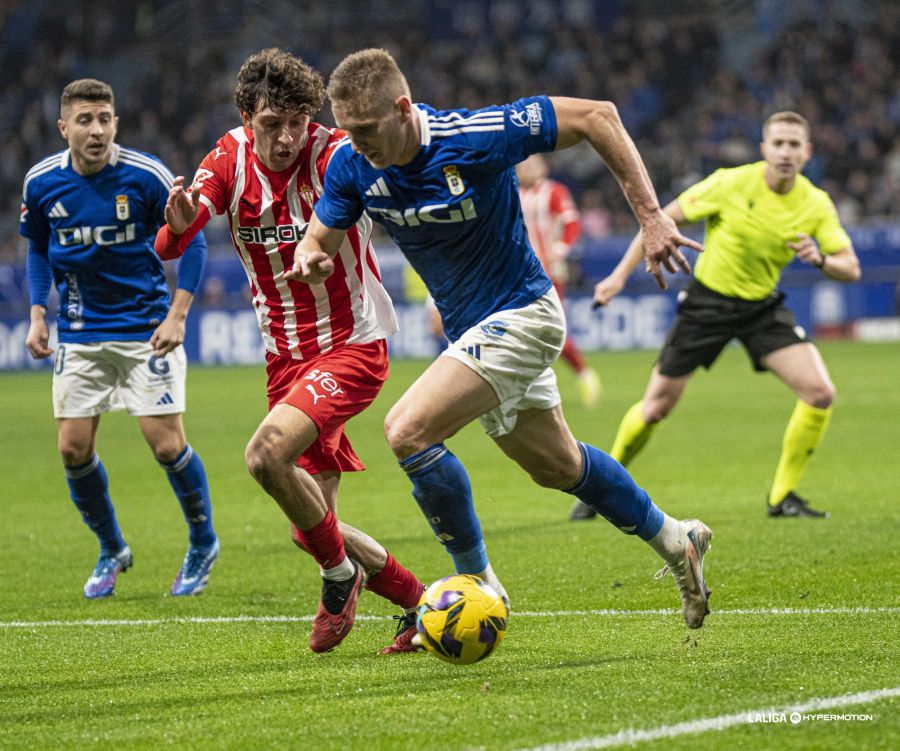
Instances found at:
x=90 y=214
x=443 y=185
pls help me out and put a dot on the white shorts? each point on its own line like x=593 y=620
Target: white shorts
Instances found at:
x=513 y=351
x=97 y=377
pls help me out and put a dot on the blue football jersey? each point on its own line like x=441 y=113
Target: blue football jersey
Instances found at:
x=97 y=233
x=454 y=209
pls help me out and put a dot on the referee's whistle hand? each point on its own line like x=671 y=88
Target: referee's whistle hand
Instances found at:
x=605 y=290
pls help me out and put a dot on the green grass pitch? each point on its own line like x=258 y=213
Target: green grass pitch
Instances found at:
x=803 y=610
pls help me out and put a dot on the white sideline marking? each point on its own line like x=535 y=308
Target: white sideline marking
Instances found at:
x=732 y=611
x=515 y=614
x=629 y=737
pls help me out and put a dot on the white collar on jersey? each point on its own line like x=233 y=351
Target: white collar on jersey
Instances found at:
x=424 y=129
x=113 y=156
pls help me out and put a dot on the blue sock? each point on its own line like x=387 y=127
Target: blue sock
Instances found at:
x=441 y=488
x=606 y=487
x=89 y=490
x=188 y=479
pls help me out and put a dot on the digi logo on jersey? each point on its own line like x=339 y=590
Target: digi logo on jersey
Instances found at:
x=436 y=213
x=280 y=233
x=87 y=235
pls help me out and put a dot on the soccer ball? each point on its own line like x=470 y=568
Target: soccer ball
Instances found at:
x=461 y=619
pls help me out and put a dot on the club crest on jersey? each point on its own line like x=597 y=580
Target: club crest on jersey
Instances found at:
x=123 y=210
x=308 y=195
x=454 y=180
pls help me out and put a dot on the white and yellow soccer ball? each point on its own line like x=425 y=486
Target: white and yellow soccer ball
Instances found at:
x=461 y=619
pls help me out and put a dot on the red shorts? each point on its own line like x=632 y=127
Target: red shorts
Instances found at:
x=330 y=389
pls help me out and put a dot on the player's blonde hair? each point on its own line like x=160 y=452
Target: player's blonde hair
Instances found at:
x=786 y=116
x=366 y=81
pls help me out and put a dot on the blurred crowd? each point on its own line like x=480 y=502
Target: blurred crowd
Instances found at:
x=693 y=81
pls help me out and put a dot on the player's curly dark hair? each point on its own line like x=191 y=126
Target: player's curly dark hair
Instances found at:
x=277 y=79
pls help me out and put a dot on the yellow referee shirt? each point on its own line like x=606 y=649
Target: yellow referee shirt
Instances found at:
x=748 y=227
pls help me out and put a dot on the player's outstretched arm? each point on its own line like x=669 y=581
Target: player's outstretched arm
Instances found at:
x=182 y=206
x=599 y=123
x=606 y=289
x=184 y=217
x=313 y=262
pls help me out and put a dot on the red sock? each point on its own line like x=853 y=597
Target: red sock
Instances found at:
x=397 y=584
x=572 y=356
x=298 y=539
x=323 y=542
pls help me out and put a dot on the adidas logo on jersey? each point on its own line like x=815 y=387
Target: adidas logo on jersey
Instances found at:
x=166 y=399
x=58 y=211
x=378 y=188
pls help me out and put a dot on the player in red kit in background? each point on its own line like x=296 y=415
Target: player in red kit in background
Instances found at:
x=326 y=349
x=554 y=226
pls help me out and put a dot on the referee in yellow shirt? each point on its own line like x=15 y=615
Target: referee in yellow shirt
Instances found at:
x=758 y=217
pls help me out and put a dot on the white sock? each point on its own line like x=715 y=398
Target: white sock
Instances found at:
x=343 y=571
x=491 y=578
x=669 y=541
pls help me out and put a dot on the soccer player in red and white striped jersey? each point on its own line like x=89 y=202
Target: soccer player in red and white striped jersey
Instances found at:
x=554 y=225
x=326 y=347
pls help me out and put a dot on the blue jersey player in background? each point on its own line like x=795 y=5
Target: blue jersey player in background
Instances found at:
x=90 y=214
x=443 y=185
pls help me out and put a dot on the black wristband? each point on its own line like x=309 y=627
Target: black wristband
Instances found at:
x=822 y=263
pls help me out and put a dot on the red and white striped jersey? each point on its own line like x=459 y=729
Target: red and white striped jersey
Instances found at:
x=552 y=220
x=268 y=213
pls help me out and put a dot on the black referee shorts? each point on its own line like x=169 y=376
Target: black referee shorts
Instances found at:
x=706 y=321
